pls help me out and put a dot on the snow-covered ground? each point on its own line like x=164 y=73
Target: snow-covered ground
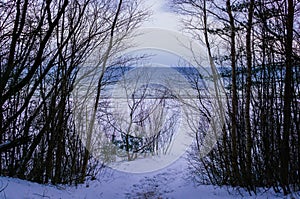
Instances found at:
x=171 y=182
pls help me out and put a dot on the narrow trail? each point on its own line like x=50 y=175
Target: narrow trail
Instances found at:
x=157 y=184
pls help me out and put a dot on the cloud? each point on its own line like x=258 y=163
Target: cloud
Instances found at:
x=162 y=16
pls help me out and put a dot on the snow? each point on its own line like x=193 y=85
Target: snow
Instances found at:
x=173 y=181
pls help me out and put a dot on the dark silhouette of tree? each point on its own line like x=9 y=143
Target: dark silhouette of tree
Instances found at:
x=44 y=47
x=253 y=43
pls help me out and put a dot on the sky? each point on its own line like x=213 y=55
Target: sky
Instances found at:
x=164 y=33
x=162 y=16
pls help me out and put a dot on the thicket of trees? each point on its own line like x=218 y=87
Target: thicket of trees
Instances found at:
x=53 y=58
x=259 y=42
x=44 y=46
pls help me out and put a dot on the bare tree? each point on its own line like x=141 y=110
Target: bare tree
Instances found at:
x=252 y=39
x=43 y=48
x=140 y=121
x=288 y=90
x=126 y=18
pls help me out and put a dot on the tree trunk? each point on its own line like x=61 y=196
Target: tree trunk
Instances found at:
x=248 y=95
x=288 y=94
x=234 y=103
x=93 y=117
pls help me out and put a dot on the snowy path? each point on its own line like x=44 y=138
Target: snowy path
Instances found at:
x=171 y=182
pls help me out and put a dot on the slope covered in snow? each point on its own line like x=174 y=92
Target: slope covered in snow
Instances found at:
x=171 y=182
